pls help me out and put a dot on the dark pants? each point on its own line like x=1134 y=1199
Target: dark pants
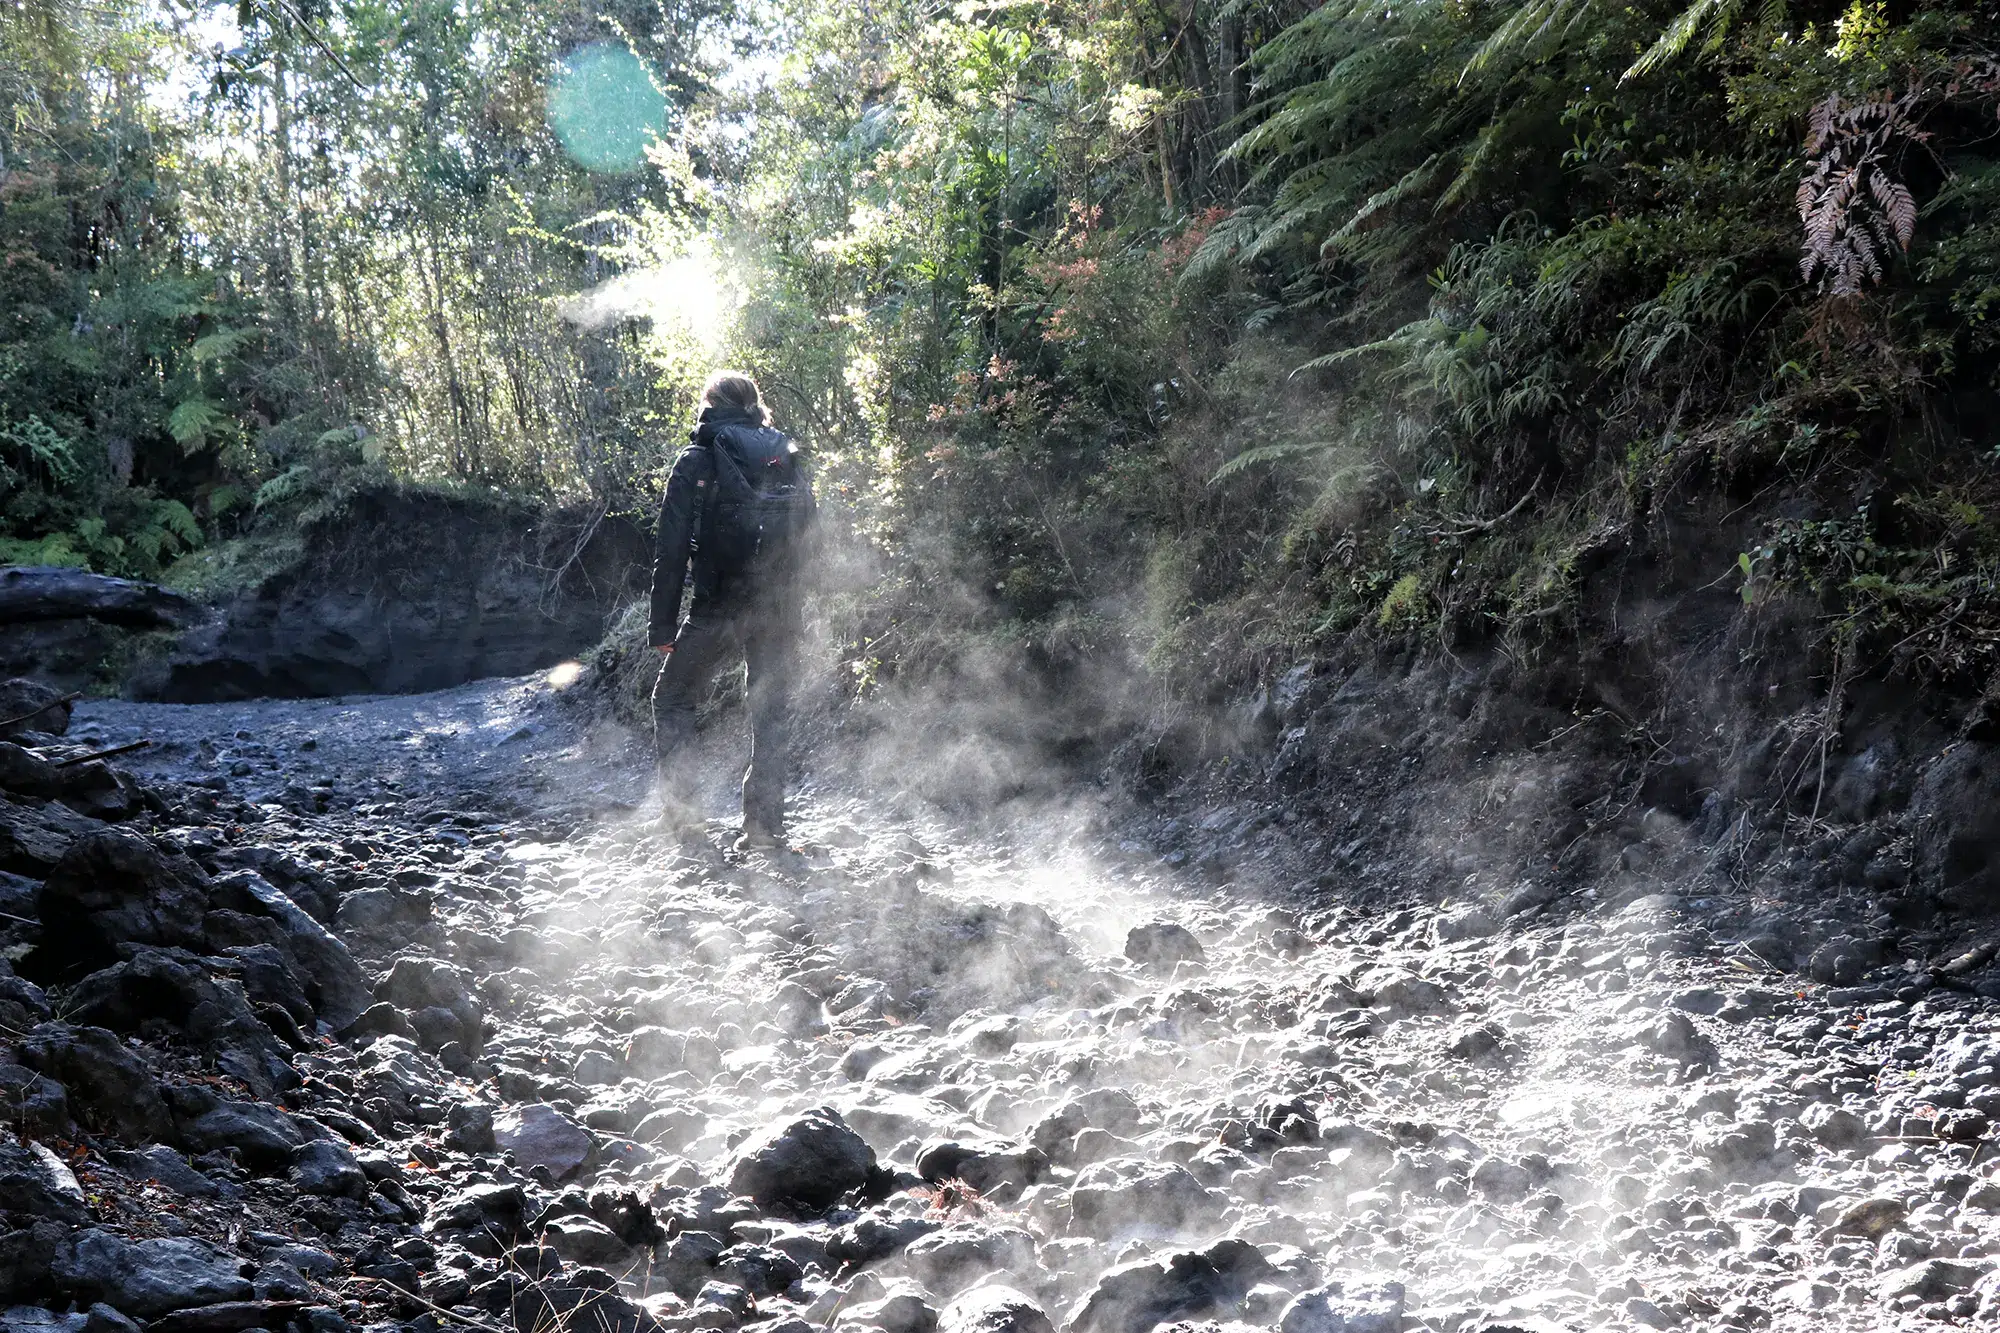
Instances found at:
x=711 y=638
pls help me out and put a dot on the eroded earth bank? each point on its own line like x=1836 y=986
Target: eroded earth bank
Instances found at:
x=396 y=1013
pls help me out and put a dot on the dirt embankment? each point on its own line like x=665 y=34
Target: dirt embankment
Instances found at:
x=400 y=590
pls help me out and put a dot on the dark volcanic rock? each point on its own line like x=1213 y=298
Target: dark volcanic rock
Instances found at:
x=29 y=705
x=169 y=1168
x=1346 y=1308
x=34 y=835
x=327 y=1168
x=263 y=1134
x=107 y=1085
x=1162 y=944
x=111 y=888
x=335 y=985
x=27 y=774
x=541 y=1136
x=994 y=1309
x=1132 y=1191
x=1132 y=1298
x=34 y=1180
x=27 y=1260
x=157 y=988
x=148 y=1278
x=875 y=1235
x=1958 y=841
x=419 y=986
x=36 y=1104
x=983 y=1166
x=811 y=1161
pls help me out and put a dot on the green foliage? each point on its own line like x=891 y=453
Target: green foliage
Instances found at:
x=1229 y=325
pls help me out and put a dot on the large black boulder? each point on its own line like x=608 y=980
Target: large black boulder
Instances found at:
x=161 y=992
x=265 y=1136
x=1133 y=1297
x=440 y=995
x=1958 y=839
x=34 y=1180
x=107 y=1085
x=148 y=1278
x=110 y=888
x=335 y=985
x=28 y=705
x=810 y=1161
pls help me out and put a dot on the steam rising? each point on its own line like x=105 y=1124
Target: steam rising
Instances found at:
x=688 y=299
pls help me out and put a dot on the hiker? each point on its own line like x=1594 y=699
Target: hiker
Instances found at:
x=738 y=502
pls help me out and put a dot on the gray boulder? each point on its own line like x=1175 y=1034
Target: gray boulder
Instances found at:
x=687 y=1262
x=1931 y=1279
x=1135 y=1297
x=28 y=705
x=539 y=1135
x=1957 y=843
x=156 y=987
x=994 y=1309
x=107 y=1085
x=1111 y=1109
x=34 y=1180
x=759 y=1269
x=1162 y=944
x=419 y=986
x=875 y=1235
x=898 y=1312
x=34 y=836
x=494 y=1208
x=982 y=1165
x=112 y=887
x=1375 y=1307
x=334 y=982
x=27 y=1259
x=35 y=1319
x=811 y=1161
x=264 y=1135
x=36 y=1104
x=27 y=773
x=148 y=1278
x=162 y=1164
x=327 y=1168
x=957 y=1255
x=1135 y=1192
x=583 y=1240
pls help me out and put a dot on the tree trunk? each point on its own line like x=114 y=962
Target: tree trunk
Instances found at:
x=54 y=592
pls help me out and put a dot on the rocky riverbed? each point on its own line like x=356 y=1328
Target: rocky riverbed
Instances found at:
x=398 y=1013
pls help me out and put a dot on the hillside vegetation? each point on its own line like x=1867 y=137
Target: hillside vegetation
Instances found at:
x=1212 y=333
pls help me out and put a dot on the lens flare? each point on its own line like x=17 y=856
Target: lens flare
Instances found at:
x=605 y=108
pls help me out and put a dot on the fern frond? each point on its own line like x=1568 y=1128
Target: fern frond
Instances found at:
x=1521 y=31
x=1673 y=41
x=1268 y=453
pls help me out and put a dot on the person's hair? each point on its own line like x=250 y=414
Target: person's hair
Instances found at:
x=732 y=388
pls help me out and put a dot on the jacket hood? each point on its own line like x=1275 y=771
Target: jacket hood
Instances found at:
x=725 y=414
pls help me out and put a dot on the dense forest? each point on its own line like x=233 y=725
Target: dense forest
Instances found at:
x=1219 y=327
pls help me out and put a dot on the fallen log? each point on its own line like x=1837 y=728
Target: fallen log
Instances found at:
x=53 y=592
x=102 y=754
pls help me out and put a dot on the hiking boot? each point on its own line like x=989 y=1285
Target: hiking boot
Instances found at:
x=682 y=822
x=757 y=838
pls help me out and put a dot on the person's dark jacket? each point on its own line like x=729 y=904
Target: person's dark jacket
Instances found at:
x=680 y=519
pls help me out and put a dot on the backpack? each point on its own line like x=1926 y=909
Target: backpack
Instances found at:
x=760 y=504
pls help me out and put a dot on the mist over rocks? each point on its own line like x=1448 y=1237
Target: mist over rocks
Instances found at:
x=464 y=1051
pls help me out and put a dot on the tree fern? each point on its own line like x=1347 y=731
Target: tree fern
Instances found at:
x=1718 y=15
